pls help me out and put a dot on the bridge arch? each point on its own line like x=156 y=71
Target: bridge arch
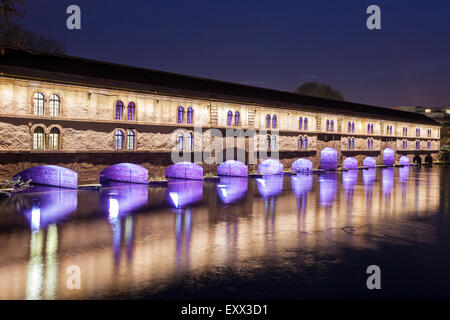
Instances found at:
x=404 y=160
x=232 y=168
x=388 y=157
x=185 y=170
x=124 y=172
x=429 y=159
x=270 y=166
x=350 y=163
x=328 y=159
x=50 y=175
x=302 y=166
x=417 y=159
x=369 y=162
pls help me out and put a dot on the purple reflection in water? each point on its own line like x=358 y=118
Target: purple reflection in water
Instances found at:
x=302 y=166
x=122 y=198
x=232 y=189
x=270 y=186
x=270 y=166
x=301 y=184
x=183 y=193
x=125 y=172
x=54 y=176
x=403 y=173
x=328 y=159
x=388 y=157
x=185 y=170
x=369 y=178
x=328 y=187
x=43 y=206
x=349 y=179
x=388 y=180
x=404 y=160
x=232 y=168
x=350 y=163
x=369 y=162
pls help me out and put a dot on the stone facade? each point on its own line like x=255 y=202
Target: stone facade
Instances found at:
x=87 y=127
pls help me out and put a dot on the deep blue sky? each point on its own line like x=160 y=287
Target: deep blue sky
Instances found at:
x=274 y=44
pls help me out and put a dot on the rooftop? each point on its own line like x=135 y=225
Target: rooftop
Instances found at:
x=29 y=64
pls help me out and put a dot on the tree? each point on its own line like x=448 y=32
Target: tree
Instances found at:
x=321 y=90
x=13 y=34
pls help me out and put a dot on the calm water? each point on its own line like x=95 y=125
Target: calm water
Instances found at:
x=275 y=237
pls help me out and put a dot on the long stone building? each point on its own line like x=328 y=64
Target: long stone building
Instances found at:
x=87 y=115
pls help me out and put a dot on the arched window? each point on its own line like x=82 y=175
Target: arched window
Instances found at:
x=300 y=143
x=371 y=128
x=371 y=144
x=180 y=139
x=332 y=125
x=131 y=140
x=236 y=118
x=406 y=131
x=353 y=143
x=305 y=143
x=118 y=139
x=305 y=124
x=328 y=125
x=274 y=143
x=190 y=115
x=55 y=105
x=38 y=103
x=119 y=110
x=349 y=126
x=268 y=121
x=368 y=128
x=180 y=116
x=353 y=127
x=39 y=139
x=131 y=112
x=368 y=144
x=429 y=144
x=54 y=139
x=300 y=123
x=349 y=143
x=267 y=142
x=190 y=141
x=417 y=145
x=229 y=118
x=274 y=121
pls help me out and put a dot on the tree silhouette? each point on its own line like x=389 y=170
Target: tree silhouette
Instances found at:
x=321 y=90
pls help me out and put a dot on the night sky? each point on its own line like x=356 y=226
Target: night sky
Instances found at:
x=273 y=44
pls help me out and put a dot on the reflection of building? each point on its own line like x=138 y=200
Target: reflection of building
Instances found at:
x=442 y=115
x=87 y=115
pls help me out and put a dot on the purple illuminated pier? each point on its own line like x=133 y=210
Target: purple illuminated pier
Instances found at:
x=404 y=160
x=53 y=176
x=350 y=163
x=388 y=157
x=369 y=162
x=328 y=159
x=270 y=167
x=125 y=172
x=232 y=168
x=185 y=170
x=302 y=166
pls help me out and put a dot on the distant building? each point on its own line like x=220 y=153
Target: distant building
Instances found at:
x=440 y=114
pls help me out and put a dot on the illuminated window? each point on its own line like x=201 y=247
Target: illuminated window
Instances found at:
x=349 y=127
x=353 y=127
x=331 y=125
x=180 y=116
x=119 y=110
x=349 y=143
x=180 y=139
x=417 y=145
x=268 y=121
x=55 y=105
x=190 y=115
x=119 y=139
x=236 y=118
x=274 y=143
x=300 y=123
x=229 y=118
x=38 y=102
x=54 y=139
x=300 y=143
x=274 y=121
x=131 y=140
x=305 y=143
x=328 y=125
x=268 y=143
x=190 y=141
x=353 y=143
x=38 y=139
x=305 y=126
x=427 y=110
x=131 y=112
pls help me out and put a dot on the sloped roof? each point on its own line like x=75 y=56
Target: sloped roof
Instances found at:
x=61 y=68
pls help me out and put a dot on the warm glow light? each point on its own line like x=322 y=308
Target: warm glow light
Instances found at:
x=427 y=110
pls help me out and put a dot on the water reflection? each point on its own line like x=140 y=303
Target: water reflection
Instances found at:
x=232 y=189
x=182 y=193
x=281 y=221
x=328 y=188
